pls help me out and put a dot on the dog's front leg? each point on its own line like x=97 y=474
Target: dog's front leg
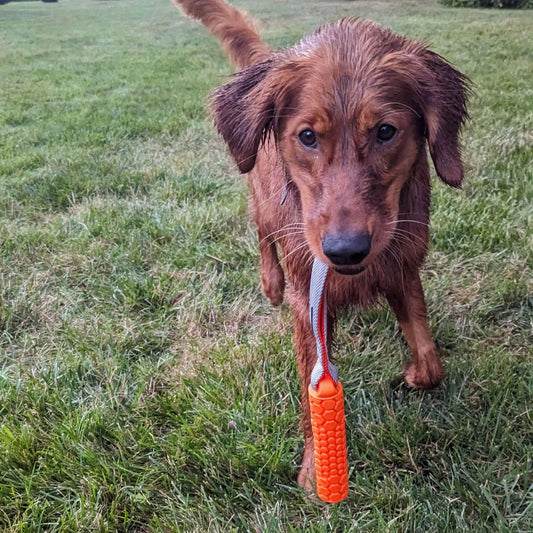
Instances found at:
x=272 y=277
x=425 y=370
x=306 y=358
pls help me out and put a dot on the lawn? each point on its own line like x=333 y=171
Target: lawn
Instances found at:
x=145 y=383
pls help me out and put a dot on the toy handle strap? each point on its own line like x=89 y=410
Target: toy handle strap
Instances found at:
x=318 y=310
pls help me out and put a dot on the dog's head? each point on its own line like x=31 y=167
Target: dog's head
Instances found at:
x=350 y=109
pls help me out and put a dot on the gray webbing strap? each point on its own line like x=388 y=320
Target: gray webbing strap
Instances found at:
x=317 y=295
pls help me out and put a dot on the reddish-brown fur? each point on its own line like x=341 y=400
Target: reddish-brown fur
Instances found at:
x=342 y=83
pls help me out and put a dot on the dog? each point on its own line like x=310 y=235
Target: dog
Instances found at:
x=332 y=134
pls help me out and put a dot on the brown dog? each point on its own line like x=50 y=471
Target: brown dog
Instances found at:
x=332 y=133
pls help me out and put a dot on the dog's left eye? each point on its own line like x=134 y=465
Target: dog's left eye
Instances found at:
x=308 y=138
x=386 y=133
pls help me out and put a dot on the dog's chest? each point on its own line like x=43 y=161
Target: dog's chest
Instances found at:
x=347 y=291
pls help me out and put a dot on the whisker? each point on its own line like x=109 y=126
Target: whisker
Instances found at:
x=294 y=225
x=275 y=193
x=288 y=227
x=402 y=241
x=297 y=249
x=404 y=234
x=287 y=235
x=396 y=256
x=402 y=220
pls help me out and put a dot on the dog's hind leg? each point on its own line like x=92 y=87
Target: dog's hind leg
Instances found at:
x=425 y=370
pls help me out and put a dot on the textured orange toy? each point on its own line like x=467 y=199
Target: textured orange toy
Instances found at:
x=331 y=460
x=326 y=401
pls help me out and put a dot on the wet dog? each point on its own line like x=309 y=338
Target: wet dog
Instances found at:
x=332 y=134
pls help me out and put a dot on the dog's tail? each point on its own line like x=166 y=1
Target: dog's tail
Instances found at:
x=233 y=28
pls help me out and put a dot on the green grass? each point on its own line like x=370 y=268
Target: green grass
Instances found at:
x=145 y=383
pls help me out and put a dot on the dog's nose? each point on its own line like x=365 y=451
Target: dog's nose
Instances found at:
x=346 y=249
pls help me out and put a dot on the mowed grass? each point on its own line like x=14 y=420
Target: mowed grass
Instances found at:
x=145 y=383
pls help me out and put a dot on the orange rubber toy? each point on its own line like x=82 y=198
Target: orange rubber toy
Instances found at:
x=329 y=432
x=326 y=402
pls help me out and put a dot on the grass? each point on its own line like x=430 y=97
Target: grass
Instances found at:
x=146 y=385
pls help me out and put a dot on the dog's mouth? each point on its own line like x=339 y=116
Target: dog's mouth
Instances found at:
x=349 y=270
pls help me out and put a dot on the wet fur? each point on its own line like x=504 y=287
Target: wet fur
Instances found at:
x=343 y=81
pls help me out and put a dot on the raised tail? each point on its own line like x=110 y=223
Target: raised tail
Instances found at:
x=233 y=28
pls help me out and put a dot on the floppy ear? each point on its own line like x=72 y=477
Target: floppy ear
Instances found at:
x=445 y=113
x=244 y=111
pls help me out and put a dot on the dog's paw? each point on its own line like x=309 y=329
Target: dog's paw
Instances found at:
x=424 y=375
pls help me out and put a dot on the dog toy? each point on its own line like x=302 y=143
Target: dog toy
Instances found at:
x=326 y=401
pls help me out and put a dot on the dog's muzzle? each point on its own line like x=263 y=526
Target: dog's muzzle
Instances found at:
x=346 y=250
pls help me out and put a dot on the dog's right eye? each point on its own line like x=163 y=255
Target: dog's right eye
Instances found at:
x=308 y=138
x=386 y=132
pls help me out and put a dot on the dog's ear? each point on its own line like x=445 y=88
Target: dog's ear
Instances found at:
x=445 y=96
x=244 y=110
